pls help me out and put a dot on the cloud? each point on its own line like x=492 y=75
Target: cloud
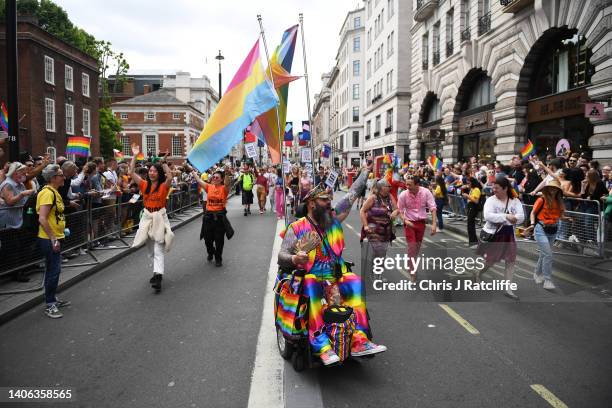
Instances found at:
x=187 y=35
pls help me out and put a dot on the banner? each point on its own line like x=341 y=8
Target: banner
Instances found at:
x=251 y=151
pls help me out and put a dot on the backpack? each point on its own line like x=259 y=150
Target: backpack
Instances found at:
x=247 y=182
x=30 y=216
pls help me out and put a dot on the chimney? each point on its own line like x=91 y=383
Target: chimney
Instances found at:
x=146 y=89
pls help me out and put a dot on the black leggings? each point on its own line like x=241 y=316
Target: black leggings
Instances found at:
x=472 y=212
x=214 y=236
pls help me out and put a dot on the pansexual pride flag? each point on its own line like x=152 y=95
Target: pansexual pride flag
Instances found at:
x=280 y=65
x=434 y=162
x=247 y=96
x=78 y=145
x=3 y=117
x=528 y=150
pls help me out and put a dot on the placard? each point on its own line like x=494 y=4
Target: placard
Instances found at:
x=331 y=179
x=286 y=167
x=305 y=155
x=563 y=146
x=251 y=151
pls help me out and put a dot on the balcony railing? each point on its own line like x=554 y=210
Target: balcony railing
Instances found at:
x=484 y=24
x=425 y=65
x=377 y=133
x=465 y=35
x=425 y=9
x=514 y=6
x=436 y=58
x=449 y=48
x=388 y=130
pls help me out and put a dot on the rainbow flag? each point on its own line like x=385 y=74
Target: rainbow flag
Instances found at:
x=528 y=150
x=118 y=154
x=78 y=145
x=3 y=117
x=140 y=156
x=247 y=96
x=434 y=162
x=280 y=66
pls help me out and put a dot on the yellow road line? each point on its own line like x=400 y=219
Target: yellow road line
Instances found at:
x=548 y=396
x=466 y=325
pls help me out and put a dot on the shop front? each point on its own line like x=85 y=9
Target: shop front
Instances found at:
x=477 y=136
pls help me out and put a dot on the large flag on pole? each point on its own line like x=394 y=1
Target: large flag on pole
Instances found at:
x=78 y=145
x=4 y=117
x=280 y=65
x=247 y=96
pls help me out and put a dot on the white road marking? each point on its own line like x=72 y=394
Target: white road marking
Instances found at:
x=267 y=378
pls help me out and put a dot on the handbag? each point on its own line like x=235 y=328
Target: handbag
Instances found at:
x=487 y=236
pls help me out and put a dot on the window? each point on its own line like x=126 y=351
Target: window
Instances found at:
x=390 y=40
x=69 y=119
x=68 y=78
x=390 y=8
x=86 y=122
x=369 y=38
x=356 y=67
x=355 y=91
x=355 y=138
x=482 y=93
x=85 y=79
x=436 y=44
x=49 y=70
x=369 y=8
x=49 y=115
x=177 y=149
x=369 y=68
x=368 y=129
x=355 y=113
x=425 y=50
x=125 y=145
x=151 y=145
x=377 y=126
x=357 y=22
x=465 y=20
x=176 y=116
x=433 y=112
x=449 y=32
x=124 y=116
x=389 y=121
x=369 y=97
x=150 y=116
x=356 y=44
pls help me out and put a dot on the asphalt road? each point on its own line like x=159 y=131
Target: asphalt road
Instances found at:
x=194 y=345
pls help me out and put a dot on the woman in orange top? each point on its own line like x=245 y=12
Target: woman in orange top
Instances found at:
x=214 y=222
x=154 y=190
x=547 y=210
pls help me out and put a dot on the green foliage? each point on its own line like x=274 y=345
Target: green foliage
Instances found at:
x=110 y=126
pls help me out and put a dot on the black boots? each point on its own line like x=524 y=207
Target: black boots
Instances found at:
x=156 y=281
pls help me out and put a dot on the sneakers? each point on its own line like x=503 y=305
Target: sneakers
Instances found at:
x=538 y=278
x=548 y=284
x=218 y=262
x=156 y=281
x=367 y=348
x=329 y=358
x=209 y=258
x=53 y=312
x=245 y=212
x=63 y=303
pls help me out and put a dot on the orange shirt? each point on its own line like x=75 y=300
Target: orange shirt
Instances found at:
x=155 y=199
x=547 y=215
x=216 y=197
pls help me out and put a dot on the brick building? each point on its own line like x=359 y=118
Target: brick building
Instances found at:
x=157 y=121
x=58 y=90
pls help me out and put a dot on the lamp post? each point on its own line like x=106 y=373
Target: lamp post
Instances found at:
x=220 y=58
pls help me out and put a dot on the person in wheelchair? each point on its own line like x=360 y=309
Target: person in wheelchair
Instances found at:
x=324 y=265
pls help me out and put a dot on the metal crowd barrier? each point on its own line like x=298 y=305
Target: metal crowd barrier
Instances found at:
x=89 y=227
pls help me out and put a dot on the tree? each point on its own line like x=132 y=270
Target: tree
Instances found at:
x=110 y=126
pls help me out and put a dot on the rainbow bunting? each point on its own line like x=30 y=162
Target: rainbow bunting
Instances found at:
x=434 y=162
x=280 y=66
x=3 y=117
x=78 y=145
x=528 y=150
x=247 y=96
x=118 y=154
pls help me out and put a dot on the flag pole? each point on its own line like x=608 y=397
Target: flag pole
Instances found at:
x=312 y=130
x=280 y=139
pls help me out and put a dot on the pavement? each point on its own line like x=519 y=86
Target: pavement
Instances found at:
x=208 y=341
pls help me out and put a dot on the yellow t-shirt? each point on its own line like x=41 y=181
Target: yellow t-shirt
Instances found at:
x=474 y=194
x=56 y=215
x=438 y=192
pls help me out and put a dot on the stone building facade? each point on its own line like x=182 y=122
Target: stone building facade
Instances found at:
x=488 y=76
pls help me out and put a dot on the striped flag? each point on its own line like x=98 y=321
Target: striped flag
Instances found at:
x=528 y=150
x=3 y=117
x=78 y=145
x=118 y=154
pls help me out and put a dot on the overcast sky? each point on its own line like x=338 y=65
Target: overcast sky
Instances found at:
x=163 y=37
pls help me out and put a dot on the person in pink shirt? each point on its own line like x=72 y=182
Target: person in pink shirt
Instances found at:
x=412 y=204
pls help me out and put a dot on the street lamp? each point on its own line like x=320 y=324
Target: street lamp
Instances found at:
x=219 y=58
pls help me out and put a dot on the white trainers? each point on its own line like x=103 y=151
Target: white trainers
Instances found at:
x=548 y=284
x=538 y=278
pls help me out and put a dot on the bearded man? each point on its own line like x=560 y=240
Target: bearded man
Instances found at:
x=324 y=265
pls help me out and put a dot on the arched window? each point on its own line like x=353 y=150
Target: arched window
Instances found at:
x=433 y=111
x=564 y=65
x=481 y=94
